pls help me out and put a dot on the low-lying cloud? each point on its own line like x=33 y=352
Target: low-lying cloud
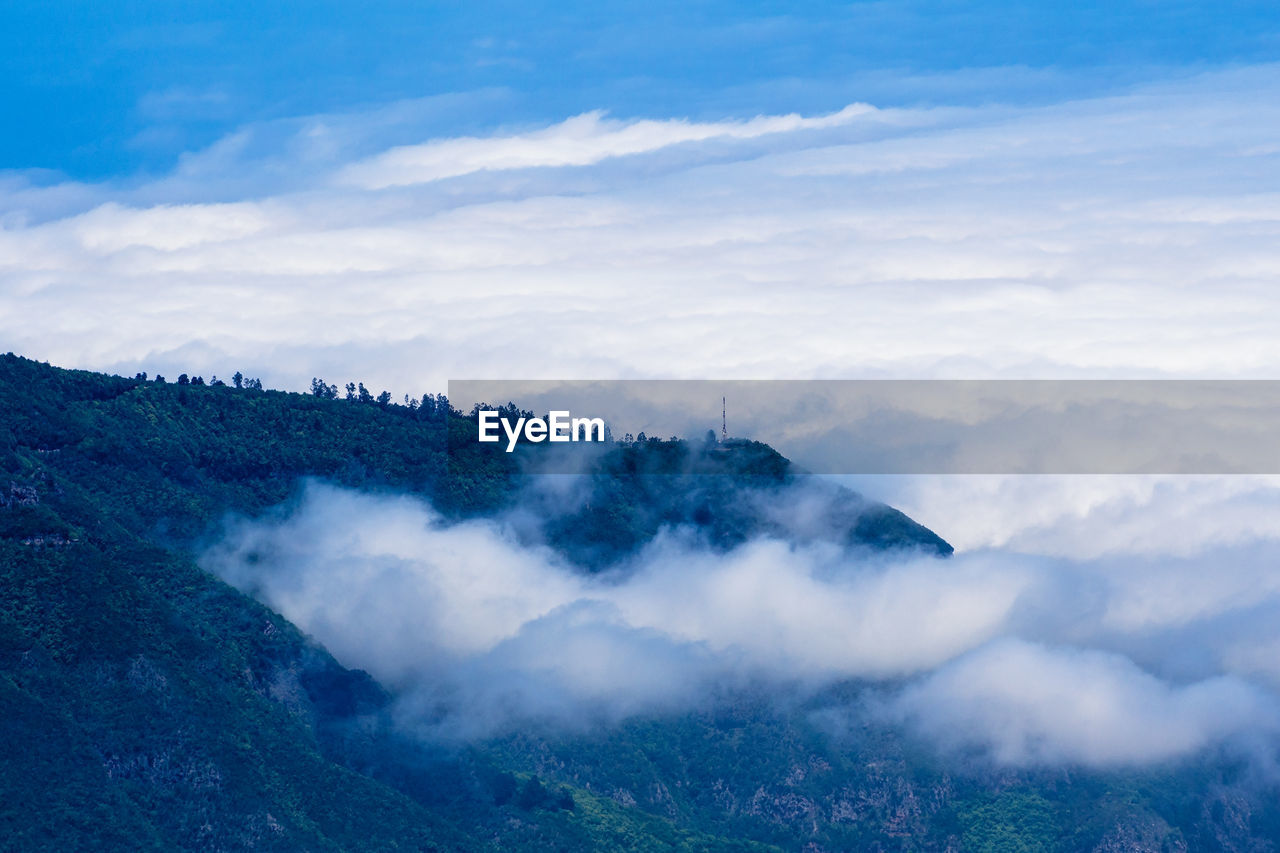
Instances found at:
x=389 y=587
x=1024 y=704
x=1017 y=658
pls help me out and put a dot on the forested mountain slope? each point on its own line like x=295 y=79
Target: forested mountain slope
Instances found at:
x=146 y=705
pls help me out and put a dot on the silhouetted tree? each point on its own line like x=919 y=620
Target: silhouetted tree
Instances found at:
x=183 y=379
x=237 y=379
x=384 y=399
x=320 y=389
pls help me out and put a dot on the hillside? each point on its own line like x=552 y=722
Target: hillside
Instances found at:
x=147 y=705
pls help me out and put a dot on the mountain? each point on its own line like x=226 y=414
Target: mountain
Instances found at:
x=148 y=705
x=144 y=704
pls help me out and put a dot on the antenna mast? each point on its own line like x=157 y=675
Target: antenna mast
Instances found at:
x=724 y=422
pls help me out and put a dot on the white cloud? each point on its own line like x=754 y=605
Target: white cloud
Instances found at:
x=111 y=229
x=467 y=610
x=1126 y=235
x=1088 y=517
x=1017 y=658
x=1023 y=704
x=579 y=141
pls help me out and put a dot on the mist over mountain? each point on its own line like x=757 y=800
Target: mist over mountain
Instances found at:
x=679 y=649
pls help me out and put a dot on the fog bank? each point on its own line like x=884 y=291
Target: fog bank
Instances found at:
x=1022 y=659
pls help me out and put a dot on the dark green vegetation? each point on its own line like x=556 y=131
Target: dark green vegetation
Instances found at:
x=725 y=492
x=146 y=705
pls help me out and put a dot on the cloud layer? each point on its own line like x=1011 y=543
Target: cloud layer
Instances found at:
x=1125 y=235
x=1023 y=704
x=1015 y=658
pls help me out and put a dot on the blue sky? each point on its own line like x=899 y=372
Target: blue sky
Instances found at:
x=113 y=89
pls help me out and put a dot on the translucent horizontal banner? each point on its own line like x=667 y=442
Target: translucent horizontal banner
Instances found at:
x=894 y=426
